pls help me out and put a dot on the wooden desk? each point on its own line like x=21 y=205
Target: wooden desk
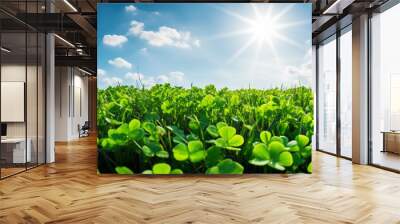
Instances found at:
x=16 y=147
x=391 y=141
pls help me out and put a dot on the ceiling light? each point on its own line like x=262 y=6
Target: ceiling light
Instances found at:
x=338 y=6
x=70 y=5
x=84 y=71
x=64 y=40
x=5 y=50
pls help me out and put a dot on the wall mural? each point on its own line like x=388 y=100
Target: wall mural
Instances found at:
x=189 y=88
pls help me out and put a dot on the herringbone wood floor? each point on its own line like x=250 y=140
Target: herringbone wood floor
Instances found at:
x=70 y=191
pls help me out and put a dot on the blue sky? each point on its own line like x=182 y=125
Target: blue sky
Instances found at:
x=229 y=45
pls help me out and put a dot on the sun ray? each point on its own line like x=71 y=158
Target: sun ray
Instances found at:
x=288 y=40
x=241 y=50
x=238 y=16
x=274 y=52
x=264 y=30
x=283 y=12
x=230 y=34
x=255 y=10
x=297 y=23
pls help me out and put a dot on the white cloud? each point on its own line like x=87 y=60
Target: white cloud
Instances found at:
x=136 y=28
x=120 y=63
x=105 y=80
x=196 y=43
x=156 y=13
x=165 y=36
x=149 y=82
x=302 y=74
x=175 y=78
x=134 y=76
x=130 y=8
x=112 y=81
x=162 y=79
x=114 y=40
x=101 y=73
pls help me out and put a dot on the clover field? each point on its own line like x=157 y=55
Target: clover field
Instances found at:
x=173 y=130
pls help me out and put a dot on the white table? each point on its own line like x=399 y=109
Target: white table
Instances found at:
x=19 y=153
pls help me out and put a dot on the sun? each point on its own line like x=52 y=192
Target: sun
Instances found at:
x=264 y=28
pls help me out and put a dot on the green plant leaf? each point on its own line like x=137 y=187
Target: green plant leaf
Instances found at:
x=285 y=159
x=154 y=147
x=213 y=131
x=150 y=128
x=123 y=170
x=161 y=168
x=194 y=125
x=276 y=139
x=302 y=140
x=236 y=140
x=162 y=154
x=293 y=147
x=221 y=125
x=180 y=135
x=285 y=140
x=276 y=166
x=147 y=172
x=306 y=152
x=227 y=166
x=233 y=148
x=108 y=143
x=275 y=148
x=227 y=132
x=147 y=151
x=213 y=170
x=192 y=137
x=214 y=155
x=176 y=171
x=134 y=124
x=265 y=136
x=260 y=155
x=180 y=152
x=309 y=168
x=116 y=135
x=136 y=134
x=221 y=143
x=196 y=151
x=160 y=131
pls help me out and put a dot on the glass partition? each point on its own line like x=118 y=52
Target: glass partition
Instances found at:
x=13 y=94
x=346 y=93
x=327 y=95
x=22 y=77
x=385 y=89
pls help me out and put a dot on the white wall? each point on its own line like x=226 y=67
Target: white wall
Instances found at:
x=71 y=94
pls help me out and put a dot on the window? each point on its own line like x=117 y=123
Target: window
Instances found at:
x=327 y=96
x=346 y=93
x=385 y=89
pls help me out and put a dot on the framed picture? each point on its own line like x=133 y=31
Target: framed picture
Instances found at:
x=210 y=88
